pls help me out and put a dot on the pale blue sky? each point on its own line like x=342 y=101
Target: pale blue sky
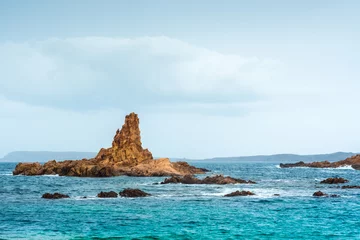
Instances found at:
x=208 y=78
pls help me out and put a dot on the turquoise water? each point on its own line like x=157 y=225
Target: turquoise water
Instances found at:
x=182 y=211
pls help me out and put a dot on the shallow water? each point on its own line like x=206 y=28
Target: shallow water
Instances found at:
x=183 y=211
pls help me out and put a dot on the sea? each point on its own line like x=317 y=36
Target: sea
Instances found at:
x=179 y=211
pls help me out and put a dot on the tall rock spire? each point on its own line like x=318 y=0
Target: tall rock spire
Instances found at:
x=126 y=146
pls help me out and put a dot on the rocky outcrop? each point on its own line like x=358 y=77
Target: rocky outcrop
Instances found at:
x=54 y=196
x=321 y=194
x=353 y=161
x=239 y=193
x=217 y=179
x=126 y=156
x=335 y=180
x=350 y=187
x=110 y=194
x=129 y=192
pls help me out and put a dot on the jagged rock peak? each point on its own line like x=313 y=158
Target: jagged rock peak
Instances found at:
x=129 y=133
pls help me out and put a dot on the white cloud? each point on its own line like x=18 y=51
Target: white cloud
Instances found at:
x=96 y=72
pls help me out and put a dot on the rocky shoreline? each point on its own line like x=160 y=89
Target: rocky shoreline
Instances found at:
x=125 y=157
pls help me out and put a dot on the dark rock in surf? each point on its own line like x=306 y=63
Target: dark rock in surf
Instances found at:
x=54 y=196
x=335 y=180
x=129 y=192
x=110 y=194
x=239 y=193
x=217 y=179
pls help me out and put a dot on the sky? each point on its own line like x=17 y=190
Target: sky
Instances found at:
x=207 y=78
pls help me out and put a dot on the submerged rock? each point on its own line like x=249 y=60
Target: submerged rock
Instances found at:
x=126 y=156
x=350 y=187
x=54 y=196
x=129 y=192
x=110 y=194
x=335 y=180
x=217 y=179
x=239 y=193
x=353 y=161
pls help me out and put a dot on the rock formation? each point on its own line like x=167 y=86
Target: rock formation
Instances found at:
x=54 y=196
x=239 y=193
x=110 y=194
x=129 y=192
x=125 y=157
x=217 y=179
x=335 y=180
x=353 y=161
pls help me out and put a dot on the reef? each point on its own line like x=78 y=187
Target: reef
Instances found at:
x=126 y=156
x=353 y=161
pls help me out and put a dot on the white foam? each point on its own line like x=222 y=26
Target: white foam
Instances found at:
x=51 y=175
x=6 y=174
x=345 y=167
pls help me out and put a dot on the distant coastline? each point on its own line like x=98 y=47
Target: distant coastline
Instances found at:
x=43 y=156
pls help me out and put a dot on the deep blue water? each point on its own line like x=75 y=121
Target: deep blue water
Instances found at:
x=182 y=211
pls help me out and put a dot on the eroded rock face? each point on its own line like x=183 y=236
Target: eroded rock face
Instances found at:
x=54 y=196
x=126 y=156
x=110 y=194
x=353 y=161
x=334 y=181
x=129 y=192
x=217 y=179
x=239 y=193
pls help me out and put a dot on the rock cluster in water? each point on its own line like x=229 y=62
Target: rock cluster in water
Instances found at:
x=335 y=180
x=353 y=161
x=125 y=157
x=239 y=193
x=217 y=179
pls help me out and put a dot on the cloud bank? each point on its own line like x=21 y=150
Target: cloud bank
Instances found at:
x=97 y=72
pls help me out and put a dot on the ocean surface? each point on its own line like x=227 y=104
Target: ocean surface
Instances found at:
x=181 y=211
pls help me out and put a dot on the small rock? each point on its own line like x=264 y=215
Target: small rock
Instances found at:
x=277 y=195
x=129 y=192
x=110 y=194
x=239 y=193
x=54 y=196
